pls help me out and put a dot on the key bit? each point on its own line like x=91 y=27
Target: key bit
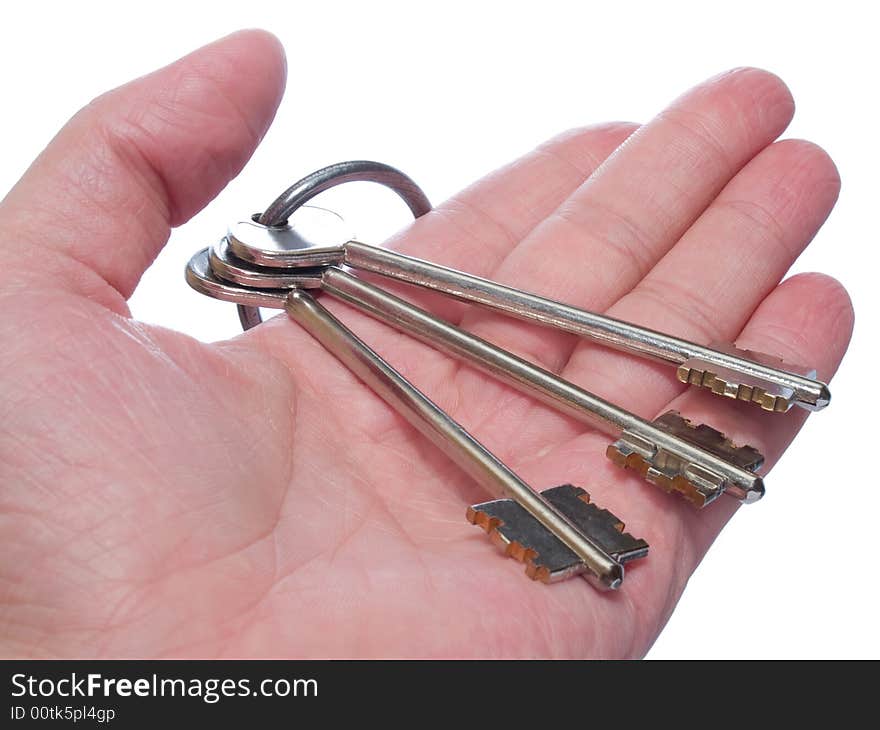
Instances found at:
x=747 y=387
x=546 y=557
x=695 y=482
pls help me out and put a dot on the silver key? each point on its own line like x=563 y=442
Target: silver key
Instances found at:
x=723 y=369
x=556 y=533
x=696 y=462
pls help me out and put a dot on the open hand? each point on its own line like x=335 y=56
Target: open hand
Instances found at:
x=160 y=496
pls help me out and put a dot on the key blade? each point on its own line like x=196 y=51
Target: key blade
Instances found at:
x=695 y=482
x=748 y=387
x=546 y=557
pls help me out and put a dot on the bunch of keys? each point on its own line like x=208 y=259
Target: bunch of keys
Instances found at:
x=273 y=260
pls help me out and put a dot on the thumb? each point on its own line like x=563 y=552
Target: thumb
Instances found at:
x=102 y=197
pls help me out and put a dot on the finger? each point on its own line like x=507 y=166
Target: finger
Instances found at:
x=808 y=318
x=140 y=159
x=475 y=229
x=609 y=233
x=709 y=284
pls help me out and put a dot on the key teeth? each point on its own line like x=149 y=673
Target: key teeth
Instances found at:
x=738 y=386
x=481 y=519
x=702 y=378
x=510 y=548
x=696 y=484
x=679 y=484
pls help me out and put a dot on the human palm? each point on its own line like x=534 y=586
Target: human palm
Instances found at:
x=165 y=497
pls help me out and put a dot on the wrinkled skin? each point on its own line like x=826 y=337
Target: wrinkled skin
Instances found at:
x=165 y=497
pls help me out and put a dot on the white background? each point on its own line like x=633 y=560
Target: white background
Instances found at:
x=447 y=92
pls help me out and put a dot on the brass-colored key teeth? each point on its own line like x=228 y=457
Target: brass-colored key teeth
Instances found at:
x=511 y=548
x=481 y=519
x=519 y=535
x=721 y=381
x=696 y=483
x=731 y=389
x=678 y=484
x=710 y=439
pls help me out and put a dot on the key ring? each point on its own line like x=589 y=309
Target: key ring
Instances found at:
x=329 y=177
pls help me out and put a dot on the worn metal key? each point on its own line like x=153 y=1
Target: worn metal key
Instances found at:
x=319 y=238
x=556 y=533
x=696 y=462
